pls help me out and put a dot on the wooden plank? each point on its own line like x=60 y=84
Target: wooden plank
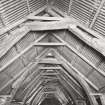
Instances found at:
x=33 y=82
x=96 y=94
x=49 y=44
x=54 y=25
x=64 y=81
x=28 y=5
x=44 y=74
x=50 y=68
x=102 y=99
x=49 y=61
x=70 y=4
x=5 y=96
x=44 y=18
x=32 y=93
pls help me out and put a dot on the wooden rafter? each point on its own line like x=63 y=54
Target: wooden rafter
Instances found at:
x=81 y=56
x=50 y=68
x=44 y=18
x=97 y=13
x=24 y=70
x=49 y=44
x=79 y=73
x=28 y=6
x=66 y=81
x=53 y=25
x=21 y=53
x=70 y=4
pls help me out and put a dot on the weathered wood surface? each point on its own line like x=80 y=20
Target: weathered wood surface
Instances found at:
x=98 y=43
x=103 y=99
x=53 y=25
x=87 y=36
x=44 y=18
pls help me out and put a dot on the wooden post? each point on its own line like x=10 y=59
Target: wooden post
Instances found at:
x=102 y=97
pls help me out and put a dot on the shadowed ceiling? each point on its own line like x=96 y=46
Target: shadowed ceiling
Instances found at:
x=52 y=51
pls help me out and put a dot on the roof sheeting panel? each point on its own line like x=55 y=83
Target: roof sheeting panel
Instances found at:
x=99 y=24
x=13 y=10
x=84 y=10
x=36 y=4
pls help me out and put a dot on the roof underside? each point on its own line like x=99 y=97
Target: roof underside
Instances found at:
x=48 y=47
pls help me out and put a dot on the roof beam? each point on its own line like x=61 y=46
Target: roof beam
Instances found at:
x=96 y=94
x=92 y=32
x=24 y=70
x=44 y=18
x=64 y=81
x=102 y=99
x=49 y=44
x=81 y=56
x=93 y=40
x=66 y=74
x=50 y=68
x=21 y=53
x=49 y=61
x=79 y=73
x=28 y=5
x=70 y=4
x=53 y=25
